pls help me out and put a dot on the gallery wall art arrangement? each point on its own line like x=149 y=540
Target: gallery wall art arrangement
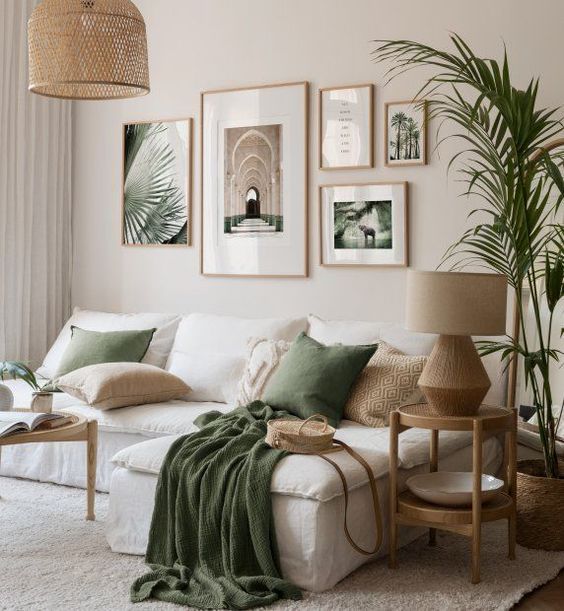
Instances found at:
x=254 y=180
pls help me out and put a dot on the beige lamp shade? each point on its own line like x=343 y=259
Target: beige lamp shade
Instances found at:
x=454 y=303
x=88 y=50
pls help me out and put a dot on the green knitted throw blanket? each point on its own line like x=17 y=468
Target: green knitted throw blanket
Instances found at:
x=212 y=543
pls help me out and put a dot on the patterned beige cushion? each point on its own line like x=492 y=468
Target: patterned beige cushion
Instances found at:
x=388 y=380
x=263 y=357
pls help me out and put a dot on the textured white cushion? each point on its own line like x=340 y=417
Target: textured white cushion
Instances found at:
x=90 y=320
x=264 y=356
x=358 y=332
x=214 y=350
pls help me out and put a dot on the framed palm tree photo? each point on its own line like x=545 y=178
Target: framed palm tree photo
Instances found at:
x=156 y=184
x=406 y=133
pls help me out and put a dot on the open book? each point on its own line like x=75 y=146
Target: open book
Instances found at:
x=24 y=422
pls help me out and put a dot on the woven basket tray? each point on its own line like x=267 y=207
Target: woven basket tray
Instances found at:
x=301 y=436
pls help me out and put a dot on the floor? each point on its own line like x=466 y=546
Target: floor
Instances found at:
x=43 y=533
x=549 y=597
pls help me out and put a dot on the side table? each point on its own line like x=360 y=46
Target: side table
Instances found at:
x=407 y=509
x=79 y=429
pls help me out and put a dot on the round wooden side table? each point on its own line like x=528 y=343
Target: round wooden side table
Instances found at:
x=407 y=509
x=79 y=429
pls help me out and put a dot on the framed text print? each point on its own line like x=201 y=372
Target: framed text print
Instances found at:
x=364 y=224
x=406 y=133
x=156 y=185
x=346 y=127
x=254 y=181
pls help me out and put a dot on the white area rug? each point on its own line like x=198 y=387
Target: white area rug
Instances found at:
x=51 y=558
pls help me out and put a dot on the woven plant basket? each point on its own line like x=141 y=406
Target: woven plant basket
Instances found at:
x=539 y=507
x=301 y=436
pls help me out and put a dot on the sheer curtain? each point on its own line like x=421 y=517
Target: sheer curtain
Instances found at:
x=35 y=200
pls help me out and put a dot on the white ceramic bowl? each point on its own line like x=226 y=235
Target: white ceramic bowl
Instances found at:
x=452 y=488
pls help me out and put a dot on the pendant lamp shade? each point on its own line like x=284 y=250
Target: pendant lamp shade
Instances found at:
x=88 y=50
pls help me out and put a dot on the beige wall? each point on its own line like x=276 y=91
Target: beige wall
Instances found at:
x=203 y=44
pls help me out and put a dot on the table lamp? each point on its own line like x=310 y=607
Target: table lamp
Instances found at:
x=455 y=305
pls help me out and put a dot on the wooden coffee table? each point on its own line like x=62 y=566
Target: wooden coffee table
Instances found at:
x=80 y=429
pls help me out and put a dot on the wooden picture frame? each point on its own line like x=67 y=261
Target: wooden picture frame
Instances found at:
x=303 y=272
x=423 y=131
x=403 y=227
x=187 y=182
x=369 y=136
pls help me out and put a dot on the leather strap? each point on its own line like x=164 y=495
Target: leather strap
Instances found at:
x=373 y=489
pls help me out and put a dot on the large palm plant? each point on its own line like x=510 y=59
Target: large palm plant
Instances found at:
x=154 y=208
x=512 y=164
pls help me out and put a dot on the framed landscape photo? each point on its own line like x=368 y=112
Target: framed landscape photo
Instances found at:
x=346 y=127
x=157 y=183
x=254 y=181
x=364 y=224
x=406 y=133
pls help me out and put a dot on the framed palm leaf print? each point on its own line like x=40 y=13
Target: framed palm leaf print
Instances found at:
x=406 y=133
x=156 y=183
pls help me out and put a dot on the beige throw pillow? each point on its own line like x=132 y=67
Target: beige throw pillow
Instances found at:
x=111 y=385
x=263 y=358
x=387 y=382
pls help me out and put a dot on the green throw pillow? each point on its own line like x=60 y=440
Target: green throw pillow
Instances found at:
x=316 y=379
x=94 y=347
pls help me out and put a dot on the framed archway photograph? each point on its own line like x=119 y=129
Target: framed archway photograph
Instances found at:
x=254 y=181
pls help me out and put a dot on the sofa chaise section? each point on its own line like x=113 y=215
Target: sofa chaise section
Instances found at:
x=307 y=499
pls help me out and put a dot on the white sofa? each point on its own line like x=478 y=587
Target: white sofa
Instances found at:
x=209 y=352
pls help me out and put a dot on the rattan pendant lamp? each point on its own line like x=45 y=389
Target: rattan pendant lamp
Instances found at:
x=88 y=50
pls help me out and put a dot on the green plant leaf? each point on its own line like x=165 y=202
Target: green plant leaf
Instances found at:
x=154 y=210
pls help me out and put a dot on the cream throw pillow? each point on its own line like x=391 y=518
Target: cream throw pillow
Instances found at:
x=387 y=382
x=111 y=385
x=263 y=358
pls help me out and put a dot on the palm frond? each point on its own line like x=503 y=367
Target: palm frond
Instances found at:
x=153 y=210
x=511 y=162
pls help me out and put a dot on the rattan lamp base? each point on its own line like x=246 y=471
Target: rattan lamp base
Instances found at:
x=454 y=380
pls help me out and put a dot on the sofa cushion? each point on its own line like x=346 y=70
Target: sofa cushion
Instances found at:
x=360 y=332
x=316 y=379
x=353 y=332
x=388 y=381
x=95 y=347
x=157 y=353
x=217 y=345
x=264 y=356
x=150 y=420
x=214 y=377
x=311 y=477
x=113 y=385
